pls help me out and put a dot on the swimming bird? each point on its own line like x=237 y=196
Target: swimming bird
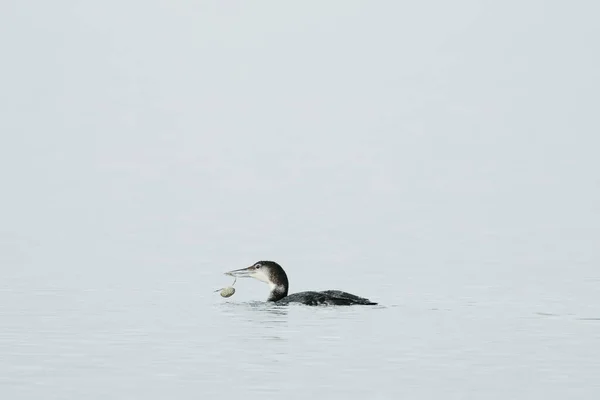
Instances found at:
x=271 y=273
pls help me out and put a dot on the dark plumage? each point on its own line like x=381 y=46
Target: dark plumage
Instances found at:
x=327 y=297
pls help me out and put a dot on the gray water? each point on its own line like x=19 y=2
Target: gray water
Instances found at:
x=439 y=158
x=156 y=337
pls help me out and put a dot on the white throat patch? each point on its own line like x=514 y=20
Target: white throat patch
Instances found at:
x=261 y=276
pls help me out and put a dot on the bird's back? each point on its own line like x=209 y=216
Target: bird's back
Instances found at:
x=327 y=297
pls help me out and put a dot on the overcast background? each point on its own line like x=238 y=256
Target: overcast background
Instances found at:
x=413 y=152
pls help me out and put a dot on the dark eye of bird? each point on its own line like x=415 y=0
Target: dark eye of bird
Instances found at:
x=257 y=266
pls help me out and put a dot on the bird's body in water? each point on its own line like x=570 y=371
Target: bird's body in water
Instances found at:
x=271 y=273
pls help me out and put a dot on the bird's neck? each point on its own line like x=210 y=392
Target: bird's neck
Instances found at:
x=278 y=292
x=278 y=283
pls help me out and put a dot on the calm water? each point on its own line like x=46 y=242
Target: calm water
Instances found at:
x=158 y=338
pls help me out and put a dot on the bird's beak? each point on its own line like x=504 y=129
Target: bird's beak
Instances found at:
x=241 y=273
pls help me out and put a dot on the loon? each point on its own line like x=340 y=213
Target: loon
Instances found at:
x=270 y=272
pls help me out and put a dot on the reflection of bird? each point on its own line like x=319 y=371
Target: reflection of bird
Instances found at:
x=272 y=273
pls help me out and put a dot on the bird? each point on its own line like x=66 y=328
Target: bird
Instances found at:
x=273 y=274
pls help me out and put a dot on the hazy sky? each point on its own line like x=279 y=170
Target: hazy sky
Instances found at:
x=424 y=137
